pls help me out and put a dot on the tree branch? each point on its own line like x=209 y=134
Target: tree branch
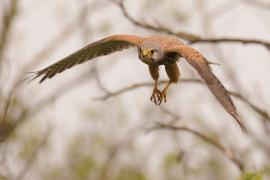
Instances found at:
x=27 y=112
x=191 y=38
x=8 y=21
x=232 y=40
x=226 y=151
x=263 y=113
x=258 y=3
x=138 y=85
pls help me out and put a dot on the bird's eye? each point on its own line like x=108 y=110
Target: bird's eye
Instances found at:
x=152 y=51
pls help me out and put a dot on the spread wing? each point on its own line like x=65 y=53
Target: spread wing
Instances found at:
x=202 y=66
x=99 y=48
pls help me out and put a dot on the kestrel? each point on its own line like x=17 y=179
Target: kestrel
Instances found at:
x=154 y=51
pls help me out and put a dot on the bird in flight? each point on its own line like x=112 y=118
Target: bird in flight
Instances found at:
x=154 y=51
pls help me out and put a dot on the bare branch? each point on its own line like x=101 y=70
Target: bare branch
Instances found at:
x=233 y=40
x=226 y=151
x=6 y=108
x=8 y=21
x=263 y=113
x=66 y=32
x=138 y=85
x=257 y=109
x=191 y=38
x=30 y=112
x=183 y=35
x=258 y=3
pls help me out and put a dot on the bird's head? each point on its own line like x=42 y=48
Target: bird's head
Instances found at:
x=151 y=52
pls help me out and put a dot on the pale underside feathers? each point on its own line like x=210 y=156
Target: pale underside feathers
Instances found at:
x=119 y=42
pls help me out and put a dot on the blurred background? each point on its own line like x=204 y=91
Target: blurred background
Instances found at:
x=96 y=120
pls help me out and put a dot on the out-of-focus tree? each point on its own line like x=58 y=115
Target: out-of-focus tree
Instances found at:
x=96 y=124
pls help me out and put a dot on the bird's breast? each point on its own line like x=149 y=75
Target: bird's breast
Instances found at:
x=169 y=58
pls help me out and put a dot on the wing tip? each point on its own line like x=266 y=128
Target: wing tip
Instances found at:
x=34 y=75
x=240 y=122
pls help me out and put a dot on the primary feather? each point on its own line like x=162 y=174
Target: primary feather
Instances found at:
x=99 y=48
x=203 y=68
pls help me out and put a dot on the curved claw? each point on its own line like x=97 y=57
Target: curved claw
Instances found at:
x=162 y=97
x=155 y=95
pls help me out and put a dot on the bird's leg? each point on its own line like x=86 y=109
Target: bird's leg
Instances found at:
x=153 y=69
x=173 y=73
x=163 y=95
x=155 y=94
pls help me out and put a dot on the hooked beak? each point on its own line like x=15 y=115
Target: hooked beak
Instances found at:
x=146 y=53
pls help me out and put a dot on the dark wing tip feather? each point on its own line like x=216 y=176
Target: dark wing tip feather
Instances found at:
x=240 y=122
x=33 y=75
x=42 y=79
x=37 y=74
x=222 y=95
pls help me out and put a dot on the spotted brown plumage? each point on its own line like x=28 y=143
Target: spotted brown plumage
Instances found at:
x=153 y=51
